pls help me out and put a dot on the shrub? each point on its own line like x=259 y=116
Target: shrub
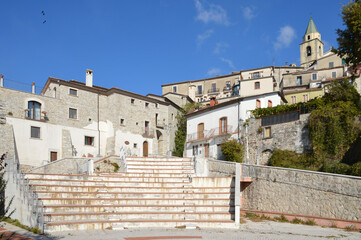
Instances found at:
x=297 y=221
x=339 y=168
x=116 y=166
x=356 y=169
x=290 y=159
x=232 y=150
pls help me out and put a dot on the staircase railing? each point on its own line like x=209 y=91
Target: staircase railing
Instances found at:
x=26 y=195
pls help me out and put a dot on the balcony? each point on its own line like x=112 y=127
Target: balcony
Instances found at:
x=199 y=93
x=213 y=91
x=208 y=134
x=227 y=89
x=36 y=116
x=148 y=132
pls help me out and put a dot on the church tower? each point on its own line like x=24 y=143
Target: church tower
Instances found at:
x=311 y=48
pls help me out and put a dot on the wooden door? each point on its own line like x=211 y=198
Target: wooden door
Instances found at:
x=53 y=156
x=200 y=131
x=206 y=150
x=145 y=149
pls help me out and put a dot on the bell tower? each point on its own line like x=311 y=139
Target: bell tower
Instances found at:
x=311 y=47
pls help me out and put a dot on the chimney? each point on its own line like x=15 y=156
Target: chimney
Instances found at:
x=33 y=88
x=213 y=102
x=1 y=80
x=89 y=78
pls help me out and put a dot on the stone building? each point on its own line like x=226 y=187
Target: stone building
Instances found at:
x=75 y=119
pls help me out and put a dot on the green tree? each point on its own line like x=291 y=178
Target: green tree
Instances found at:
x=181 y=133
x=349 y=39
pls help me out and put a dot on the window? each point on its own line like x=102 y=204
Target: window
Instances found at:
x=134 y=145
x=214 y=87
x=333 y=74
x=255 y=75
x=73 y=92
x=132 y=101
x=174 y=89
x=314 y=76
x=228 y=85
x=305 y=98
x=172 y=116
x=122 y=121
x=156 y=105
x=89 y=141
x=299 y=80
x=35 y=132
x=34 y=110
x=146 y=104
x=223 y=125
x=258 y=103
x=73 y=113
x=199 y=88
x=308 y=50
x=293 y=99
x=330 y=64
x=257 y=85
x=195 y=150
x=308 y=37
x=269 y=103
x=200 y=131
x=267 y=132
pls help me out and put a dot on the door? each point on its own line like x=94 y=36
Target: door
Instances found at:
x=145 y=149
x=206 y=150
x=53 y=156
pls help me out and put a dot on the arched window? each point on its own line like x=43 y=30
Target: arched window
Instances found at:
x=34 y=110
x=308 y=50
x=269 y=103
x=258 y=103
x=223 y=125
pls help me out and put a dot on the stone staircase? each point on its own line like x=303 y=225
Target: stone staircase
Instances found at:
x=154 y=192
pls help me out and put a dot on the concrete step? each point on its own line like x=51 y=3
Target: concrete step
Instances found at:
x=69 y=188
x=162 y=163
x=136 y=223
x=162 y=159
x=58 y=194
x=168 y=171
x=138 y=201
x=136 y=208
x=81 y=216
x=159 y=166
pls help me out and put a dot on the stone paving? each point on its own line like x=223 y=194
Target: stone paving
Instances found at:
x=248 y=231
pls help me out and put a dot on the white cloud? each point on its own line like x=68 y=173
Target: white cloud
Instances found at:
x=229 y=62
x=213 y=71
x=248 y=13
x=203 y=36
x=220 y=47
x=213 y=13
x=286 y=36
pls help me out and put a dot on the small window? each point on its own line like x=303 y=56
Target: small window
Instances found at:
x=299 y=80
x=35 y=132
x=132 y=101
x=228 y=85
x=333 y=74
x=314 y=76
x=89 y=141
x=199 y=89
x=267 y=132
x=255 y=75
x=293 y=99
x=200 y=131
x=214 y=87
x=73 y=92
x=269 y=103
x=308 y=37
x=146 y=104
x=309 y=52
x=330 y=64
x=257 y=85
x=174 y=89
x=195 y=150
x=305 y=98
x=134 y=145
x=73 y=113
x=172 y=116
x=122 y=121
x=258 y=103
x=223 y=125
x=156 y=105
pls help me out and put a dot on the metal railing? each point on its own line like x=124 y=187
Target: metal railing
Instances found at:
x=148 y=132
x=26 y=191
x=213 y=90
x=207 y=134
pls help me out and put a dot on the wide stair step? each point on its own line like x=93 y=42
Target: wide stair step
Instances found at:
x=153 y=192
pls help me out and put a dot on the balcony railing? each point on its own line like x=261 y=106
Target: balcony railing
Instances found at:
x=148 y=132
x=227 y=89
x=208 y=134
x=199 y=93
x=213 y=91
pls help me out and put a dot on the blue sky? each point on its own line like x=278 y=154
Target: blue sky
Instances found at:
x=138 y=45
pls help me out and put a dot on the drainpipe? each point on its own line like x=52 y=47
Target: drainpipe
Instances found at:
x=247 y=152
x=1 y=80
x=98 y=124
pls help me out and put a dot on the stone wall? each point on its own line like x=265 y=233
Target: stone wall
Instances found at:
x=221 y=168
x=302 y=192
x=291 y=136
x=63 y=166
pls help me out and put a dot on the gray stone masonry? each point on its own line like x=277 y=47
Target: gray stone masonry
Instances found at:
x=106 y=165
x=63 y=166
x=221 y=168
x=302 y=192
x=291 y=136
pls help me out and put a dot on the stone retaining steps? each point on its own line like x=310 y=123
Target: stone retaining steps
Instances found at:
x=153 y=192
